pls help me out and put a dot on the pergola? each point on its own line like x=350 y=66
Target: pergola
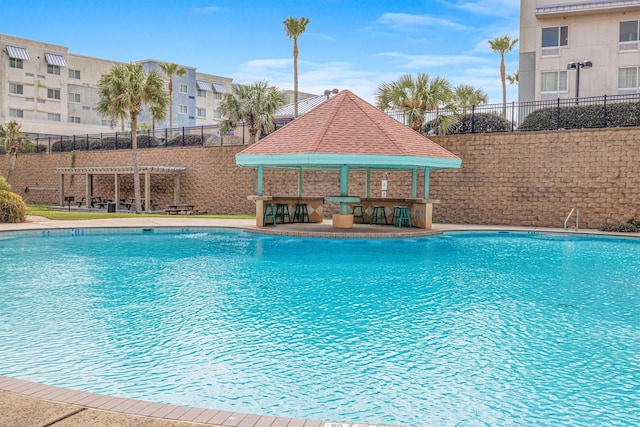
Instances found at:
x=117 y=171
x=346 y=134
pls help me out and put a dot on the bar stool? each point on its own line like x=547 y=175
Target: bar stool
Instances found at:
x=269 y=212
x=378 y=215
x=402 y=216
x=282 y=210
x=358 y=212
x=394 y=217
x=301 y=213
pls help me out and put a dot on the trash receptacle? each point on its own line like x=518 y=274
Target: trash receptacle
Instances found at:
x=111 y=207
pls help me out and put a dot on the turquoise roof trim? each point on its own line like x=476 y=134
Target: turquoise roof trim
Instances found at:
x=353 y=161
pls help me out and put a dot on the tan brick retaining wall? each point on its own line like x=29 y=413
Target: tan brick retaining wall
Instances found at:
x=531 y=178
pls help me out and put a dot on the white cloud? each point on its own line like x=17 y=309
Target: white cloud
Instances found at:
x=500 y=8
x=407 y=22
x=422 y=61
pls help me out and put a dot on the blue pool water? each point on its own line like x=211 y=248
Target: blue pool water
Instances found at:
x=457 y=330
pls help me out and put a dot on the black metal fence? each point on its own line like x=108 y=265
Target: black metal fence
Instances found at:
x=574 y=113
x=177 y=137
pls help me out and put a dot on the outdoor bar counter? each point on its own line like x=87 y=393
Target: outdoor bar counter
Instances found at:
x=420 y=209
x=314 y=206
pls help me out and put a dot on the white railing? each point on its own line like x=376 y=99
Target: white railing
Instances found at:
x=566 y=221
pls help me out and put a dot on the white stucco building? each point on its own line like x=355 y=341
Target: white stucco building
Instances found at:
x=52 y=91
x=591 y=47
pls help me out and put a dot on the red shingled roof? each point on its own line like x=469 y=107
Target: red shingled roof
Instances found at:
x=347 y=124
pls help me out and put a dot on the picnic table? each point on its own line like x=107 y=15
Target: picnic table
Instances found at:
x=185 y=209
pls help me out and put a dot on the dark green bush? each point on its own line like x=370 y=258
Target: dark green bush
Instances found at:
x=12 y=208
x=478 y=123
x=188 y=140
x=583 y=116
x=631 y=226
x=148 y=141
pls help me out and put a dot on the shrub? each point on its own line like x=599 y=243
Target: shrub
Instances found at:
x=12 y=208
x=188 y=140
x=583 y=116
x=631 y=226
x=476 y=123
x=4 y=185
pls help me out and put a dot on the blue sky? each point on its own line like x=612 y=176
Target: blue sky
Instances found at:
x=353 y=45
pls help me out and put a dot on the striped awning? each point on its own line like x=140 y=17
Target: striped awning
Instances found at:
x=55 y=59
x=202 y=85
x=219 y=87
x=17 y=52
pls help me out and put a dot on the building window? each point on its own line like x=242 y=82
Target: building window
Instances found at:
x=182 y=109
x=217 y=95
x=16 y=113
x=628 y=80
x=554 y=82
x=553 y=38
x=54 y=117
x=53 y=69
x=629 y=35
x=16 y=88
x=74 y=97
x=202 y=93
x=15 y=63
x=201 y=112
x=105 y=122
x=53 y=93
x=74 y=74
x=183 y=88
x=217 y=114
x=74 y=119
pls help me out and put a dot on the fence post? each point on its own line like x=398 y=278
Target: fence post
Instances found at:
x=243 y=132
x=73 y=143
x=49 y=144
x=87 y=142
x=166 y=136
x=202 y=135
x=558 y=115
x=116 y=140
x=604 y=107
x=473 y=118
x=513 y=115
x=183 y=136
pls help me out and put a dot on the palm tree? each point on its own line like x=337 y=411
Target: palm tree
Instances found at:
x=10 y=135
x=415 y=96
x=294 y=28
x=502 y=45
x=467 y=95
x=124 y=90
x=255 y=104
x=514 y=78
x=171 y=69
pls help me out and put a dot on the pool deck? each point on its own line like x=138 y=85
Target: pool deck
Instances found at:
x=29 y=404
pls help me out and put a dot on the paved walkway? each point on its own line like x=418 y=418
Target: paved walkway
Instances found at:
x=29 y=404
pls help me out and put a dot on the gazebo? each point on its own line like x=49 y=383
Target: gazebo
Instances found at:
x=346 y=134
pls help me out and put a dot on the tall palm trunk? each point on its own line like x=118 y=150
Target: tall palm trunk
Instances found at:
x=12 y=163
x=136 y=174
x=170 y=103
x=503 y=77
x=295 y=78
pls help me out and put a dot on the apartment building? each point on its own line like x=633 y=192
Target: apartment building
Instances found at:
x=52 y=91
x=572 y=48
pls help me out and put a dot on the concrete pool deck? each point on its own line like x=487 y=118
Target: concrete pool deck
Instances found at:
x=29 y=404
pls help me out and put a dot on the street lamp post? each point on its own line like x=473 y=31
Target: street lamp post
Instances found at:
x=576 y=66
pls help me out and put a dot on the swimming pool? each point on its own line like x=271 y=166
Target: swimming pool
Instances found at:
x=484 y=328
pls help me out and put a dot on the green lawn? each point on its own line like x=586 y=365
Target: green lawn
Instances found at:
x=74 y=215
